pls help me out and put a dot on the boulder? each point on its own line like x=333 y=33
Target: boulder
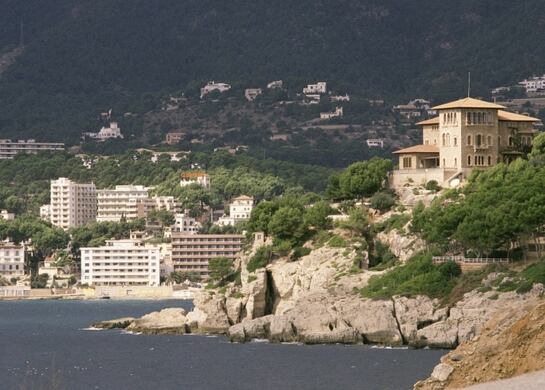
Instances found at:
x=256 y=293
x=209 y=314
x=442 y=334
x=281 y=330
x=233 y=307
x=416 y=313
x=373 y=319
x=170 y=320
x=441 y=372
x=118 y=323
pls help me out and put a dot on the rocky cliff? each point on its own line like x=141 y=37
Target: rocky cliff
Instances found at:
x=316 y=300
x=511 y=343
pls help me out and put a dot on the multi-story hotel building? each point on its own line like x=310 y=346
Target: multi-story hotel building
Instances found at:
x=468 y=134
x=72 y=204
x=9 y=148
x=121 y=263
x=125 y=201
x=12 y=260
x=192 y=252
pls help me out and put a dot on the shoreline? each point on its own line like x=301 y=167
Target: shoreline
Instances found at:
x=80 y=297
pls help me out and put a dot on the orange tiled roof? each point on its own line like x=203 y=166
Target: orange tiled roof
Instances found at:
x=512 y=117
x=431 y=121
x=192 y=174
x=419 y=149
x=467 y=103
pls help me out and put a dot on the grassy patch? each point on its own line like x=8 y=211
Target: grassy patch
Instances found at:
x=337 y=242
x=299 y=252
x=418 y=277
x=396 y=221
x=260 y=259
x=321 y=238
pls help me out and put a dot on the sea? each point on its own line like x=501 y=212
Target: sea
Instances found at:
x=50 y=345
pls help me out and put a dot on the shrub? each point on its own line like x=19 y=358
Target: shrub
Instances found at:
x=337 y=242
x=382 y=201
x=433 y=186
x=396 y=221
x=260 y=259
x=299 y=252
x=419 y=276
x=282 y=247
x=383 y=258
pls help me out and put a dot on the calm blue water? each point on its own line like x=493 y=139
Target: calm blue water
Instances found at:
x=40 y=338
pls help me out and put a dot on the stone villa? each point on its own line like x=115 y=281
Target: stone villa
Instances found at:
x=467 y=134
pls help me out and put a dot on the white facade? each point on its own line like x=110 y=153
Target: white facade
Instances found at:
x=72 y=204
x=375 y=143
x=318 y=88
x=45 y=212
x=213 y=86
x=199 y=178
x=240 y=208
x=9 y=148
x=275 y=84
x=252 y=93
x=338 y=113
x=534 y=84
x=12 y=260
x=185 y=224
x=340 y=98
x=106 y=133
x=122 y=202
x=121 y=263
x=168 y=203
x=4 y=214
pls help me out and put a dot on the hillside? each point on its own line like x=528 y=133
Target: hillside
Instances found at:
x=82 y=57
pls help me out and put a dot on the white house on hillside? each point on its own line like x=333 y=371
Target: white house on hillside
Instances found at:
x=213 y=86
x=318 y=88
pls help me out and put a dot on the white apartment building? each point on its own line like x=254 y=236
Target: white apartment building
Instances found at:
x=275 y=84
x=252 y=93
x=185 y=224
x=375 y=143
x=340 y=98
x=213 y=86
x=125 y=201
x=318 y=88
x=168 y=203
x=105 y=133
x=9 y=148
x=72 y=204
x=240 y=210
x=121 y=263
x=338 y=113
x=4 y=214
x=534 y=84
x=195 y=177
x=12 y=260
x=45 y=212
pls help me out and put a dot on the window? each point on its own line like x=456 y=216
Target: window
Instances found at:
x=489 y=142
x=478 y=140
x=455 y=162
x=468 y=118
x=468 y=160
x=407 y=162
x=444 y=139
x=511 y=141
x=489 y=160
x=455 y=141
x=469 y=140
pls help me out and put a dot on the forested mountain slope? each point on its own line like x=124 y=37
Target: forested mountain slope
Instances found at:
x=85 y=56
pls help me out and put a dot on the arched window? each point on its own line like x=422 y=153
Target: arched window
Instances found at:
x=469 y=140
x=489 y=160
x=510 y=141
x=468 y=160
x=455 y=141
x=478 y=139
x=468 y=118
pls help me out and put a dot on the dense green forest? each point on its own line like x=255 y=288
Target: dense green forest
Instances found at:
x=83 y=57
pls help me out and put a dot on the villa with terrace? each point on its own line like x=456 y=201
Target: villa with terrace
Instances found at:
x=467 y=134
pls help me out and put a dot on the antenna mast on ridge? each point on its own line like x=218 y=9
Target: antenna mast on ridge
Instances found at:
x=468 y=84
x=22 y=35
